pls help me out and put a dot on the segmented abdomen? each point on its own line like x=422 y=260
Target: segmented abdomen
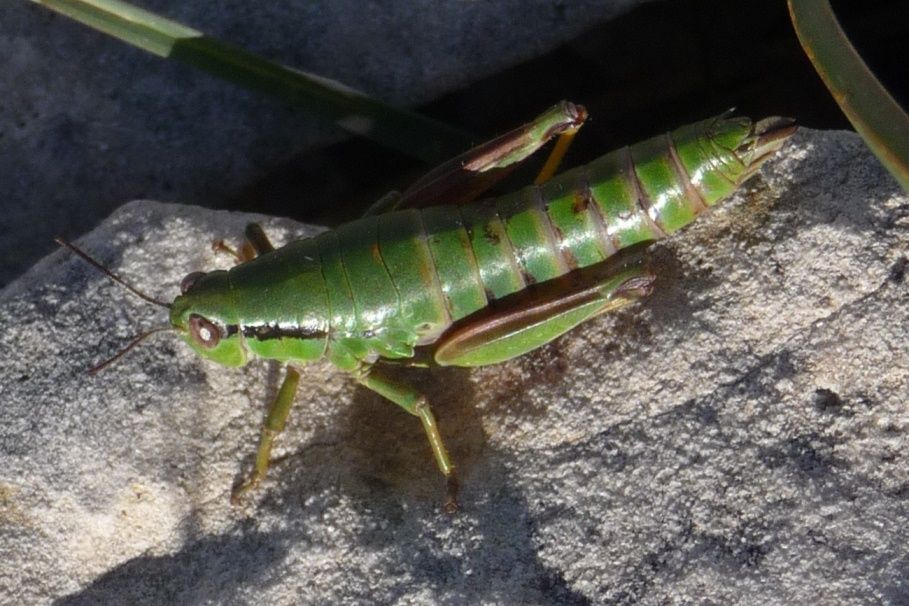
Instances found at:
x=583 y=216
x=403 y=277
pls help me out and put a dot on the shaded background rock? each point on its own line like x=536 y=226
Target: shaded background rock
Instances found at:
x=739 y=437
x=87 y=122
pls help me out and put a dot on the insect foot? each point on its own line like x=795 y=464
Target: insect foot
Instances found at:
x=452 y=506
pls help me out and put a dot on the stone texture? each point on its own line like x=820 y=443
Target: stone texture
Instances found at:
x=739 y=437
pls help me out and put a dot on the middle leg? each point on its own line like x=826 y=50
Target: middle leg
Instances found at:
x=416 y=404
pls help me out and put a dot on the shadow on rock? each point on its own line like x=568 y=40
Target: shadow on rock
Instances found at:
x=210 y=570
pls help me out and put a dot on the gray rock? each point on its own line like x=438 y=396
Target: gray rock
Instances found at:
x=87 y=121
x=739 y=437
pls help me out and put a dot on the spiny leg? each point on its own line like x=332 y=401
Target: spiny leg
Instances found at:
x=274 y=424
x=416 y=404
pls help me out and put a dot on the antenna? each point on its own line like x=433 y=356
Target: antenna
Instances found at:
x=136 y=340
x=85 y=256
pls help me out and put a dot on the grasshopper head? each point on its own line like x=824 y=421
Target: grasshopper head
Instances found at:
x=205 y=315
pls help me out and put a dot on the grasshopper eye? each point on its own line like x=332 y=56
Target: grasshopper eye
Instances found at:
x=189 y=280
x=203 y=331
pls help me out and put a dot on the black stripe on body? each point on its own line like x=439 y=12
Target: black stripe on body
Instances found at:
x=266 y=332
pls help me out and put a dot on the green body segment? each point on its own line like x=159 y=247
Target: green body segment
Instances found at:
x=266 y=297
x=453 y=258
x=382 y=285
x=530 y=232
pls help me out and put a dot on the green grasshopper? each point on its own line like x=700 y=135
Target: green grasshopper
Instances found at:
x=467 y=283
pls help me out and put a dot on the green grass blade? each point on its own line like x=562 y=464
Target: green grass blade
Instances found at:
x=408 y=132
x=133 y=25
x=873 y=112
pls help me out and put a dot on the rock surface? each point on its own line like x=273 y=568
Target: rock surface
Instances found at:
x=739 y=437
x=87 y=121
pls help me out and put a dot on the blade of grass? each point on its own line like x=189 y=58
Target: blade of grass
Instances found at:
x=408 y=132
x=872 y=111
